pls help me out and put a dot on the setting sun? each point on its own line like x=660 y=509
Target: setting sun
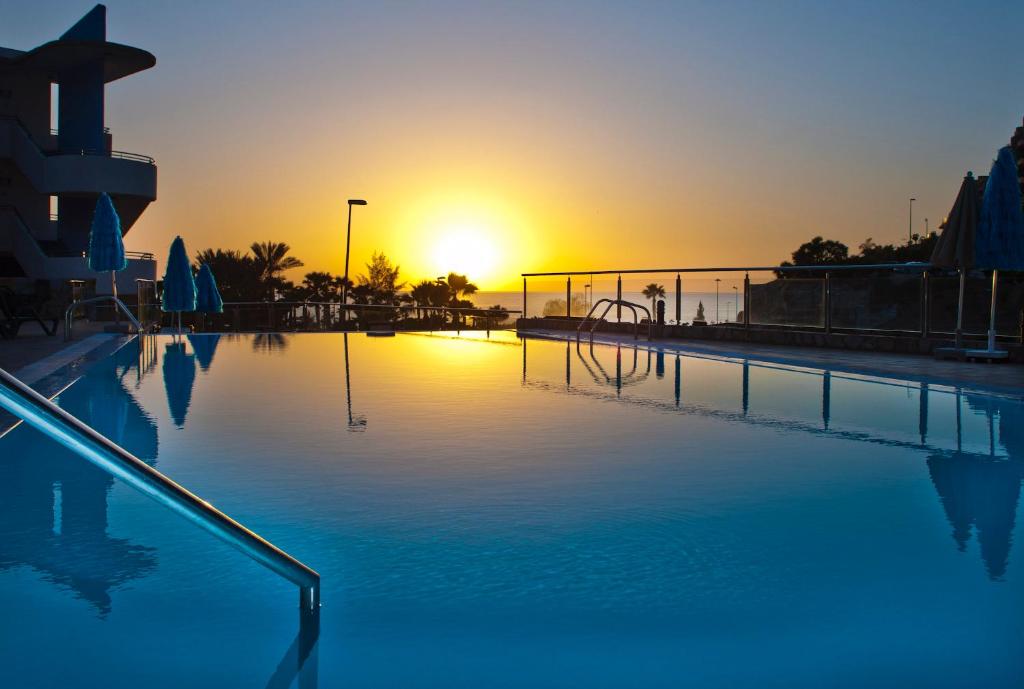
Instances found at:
x=465 y=250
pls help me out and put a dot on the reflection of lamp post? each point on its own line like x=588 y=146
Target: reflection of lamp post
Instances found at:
x=348 y=243
x=736 y=311
x=356 y=423
x=586 y=300
x=717 y=280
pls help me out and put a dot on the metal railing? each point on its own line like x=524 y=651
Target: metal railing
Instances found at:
x=122 y=155
x=828 y=298
x=42 y=414
x=69 y=313
x=614 y=302
x=139 y=255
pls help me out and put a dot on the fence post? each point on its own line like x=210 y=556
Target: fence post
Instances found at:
x=925 y=304
x=568 y=296
x=828 y=302
x=679 y=299
x=746 y=300
x=618 y=296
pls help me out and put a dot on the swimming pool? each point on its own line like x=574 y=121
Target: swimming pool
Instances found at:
x=505 y=512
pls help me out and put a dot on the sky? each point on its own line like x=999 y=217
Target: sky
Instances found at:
x=498 y=138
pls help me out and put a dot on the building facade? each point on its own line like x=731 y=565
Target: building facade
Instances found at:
x=57 y=156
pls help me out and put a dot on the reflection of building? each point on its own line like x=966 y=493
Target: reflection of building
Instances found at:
x=55 y=502
x=52 y=170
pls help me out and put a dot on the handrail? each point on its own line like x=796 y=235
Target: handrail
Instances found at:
x=54 y=422
x=140 y=255
x=741 y=269
x=614 y=302
x=69 y=313
x=125 y=155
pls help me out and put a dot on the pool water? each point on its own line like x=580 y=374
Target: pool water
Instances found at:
x=517 y=513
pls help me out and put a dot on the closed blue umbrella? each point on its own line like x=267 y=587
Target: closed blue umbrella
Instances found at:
x=999 y=240
x=106 y=245
x=207 y=295
x=179 y=285
x=179 y=371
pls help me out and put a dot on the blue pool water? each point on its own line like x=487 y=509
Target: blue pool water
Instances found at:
x=507 y=514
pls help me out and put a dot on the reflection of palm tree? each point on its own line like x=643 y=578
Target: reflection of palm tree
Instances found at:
x=654 y=292
x=269 y=343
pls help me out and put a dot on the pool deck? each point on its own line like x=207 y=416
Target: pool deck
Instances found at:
x=1003 y=378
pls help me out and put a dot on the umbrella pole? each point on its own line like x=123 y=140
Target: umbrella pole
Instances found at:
x=960 y=312
x=113 y=289
x=992 y=313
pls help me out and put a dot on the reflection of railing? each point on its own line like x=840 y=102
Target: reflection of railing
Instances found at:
x=887 y=298
x=61 y=426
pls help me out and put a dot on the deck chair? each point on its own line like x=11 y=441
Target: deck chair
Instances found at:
x=18 y=309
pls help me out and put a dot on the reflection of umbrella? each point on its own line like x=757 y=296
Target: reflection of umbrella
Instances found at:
x=179 y=376
x=207 y=295
x=179 y=286
x=955 y=248
x=106 y=246
x=999 y=242
x=204 y=346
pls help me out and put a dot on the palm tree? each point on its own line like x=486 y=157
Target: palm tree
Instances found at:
x=271 y=260
x=653 y=291
x=422 y=293
x=458 y=286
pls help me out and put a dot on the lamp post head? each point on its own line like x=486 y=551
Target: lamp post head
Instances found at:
x=356 y=202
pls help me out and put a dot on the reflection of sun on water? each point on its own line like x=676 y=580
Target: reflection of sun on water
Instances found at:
x=465 y=250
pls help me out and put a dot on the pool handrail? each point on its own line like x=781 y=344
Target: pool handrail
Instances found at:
x=42 y=414
x=614 y=302
x=69 y=313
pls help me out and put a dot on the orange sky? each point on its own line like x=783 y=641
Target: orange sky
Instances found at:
x=499 y=139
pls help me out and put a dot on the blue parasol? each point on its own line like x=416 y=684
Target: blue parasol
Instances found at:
x=179 y=285
x=999 y=240
x=106 y=245
x=207 y=295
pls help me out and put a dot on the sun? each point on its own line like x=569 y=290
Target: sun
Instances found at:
x=466 y=250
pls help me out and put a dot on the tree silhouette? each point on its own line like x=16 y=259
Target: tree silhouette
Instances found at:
x=653 y=291
x=270 y=260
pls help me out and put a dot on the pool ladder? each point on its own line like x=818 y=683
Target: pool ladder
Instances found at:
x=614 y=302
x=42 y=414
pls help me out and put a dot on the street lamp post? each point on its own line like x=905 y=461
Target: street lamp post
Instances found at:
x=348 y=243
x=736 y=293
x=717 y=319
x=910 y=224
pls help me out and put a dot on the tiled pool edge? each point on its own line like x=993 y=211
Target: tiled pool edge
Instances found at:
x=54 y=373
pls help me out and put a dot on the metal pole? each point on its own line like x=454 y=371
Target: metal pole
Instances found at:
x=568 y=297
x=925 y=305
x=344 y=285
x=618 y=296
x=828 y=302
x=679 y=299
x=992 y=313
x=524 y=299
x=960 y=312
x=910 y=224
x=717 y=318
x=746 y=300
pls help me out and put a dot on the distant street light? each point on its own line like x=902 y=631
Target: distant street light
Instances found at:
x=348 y=243
x=736 y=292
x=717 y=280
x=910 y=224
